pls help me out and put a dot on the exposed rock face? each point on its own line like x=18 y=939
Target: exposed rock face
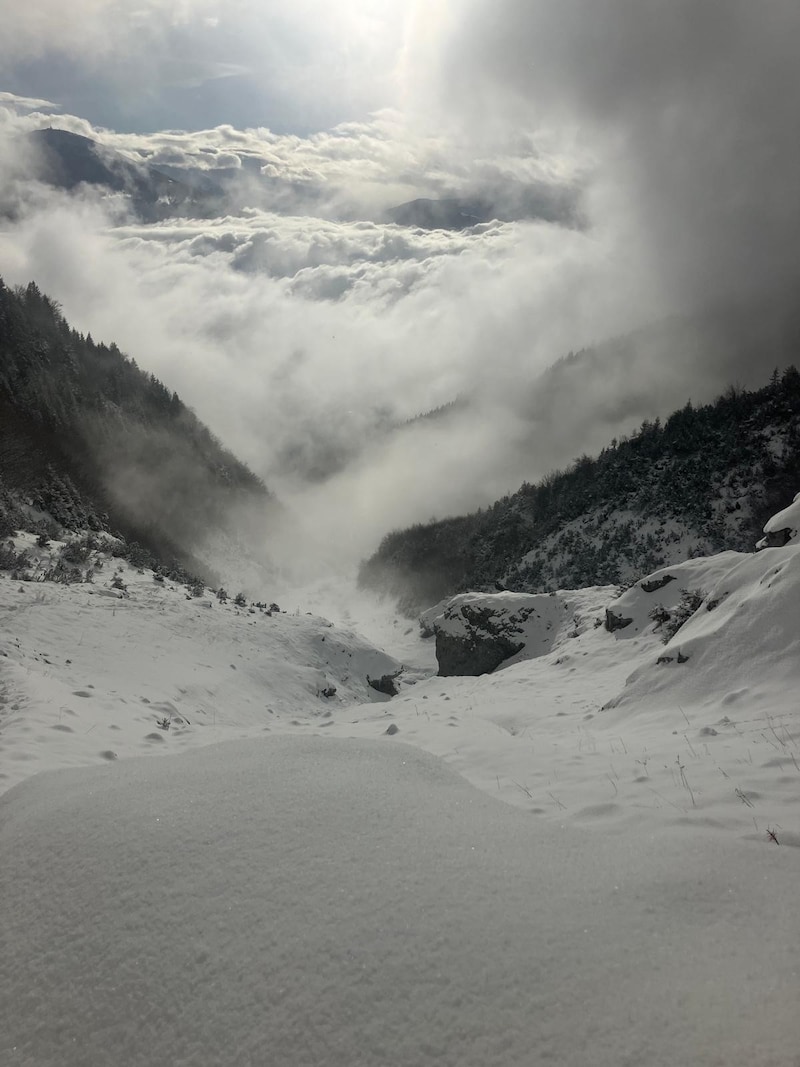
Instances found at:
x=775 y=539
x=479 y=651
x=783 y=528
x=477 y=632
x=616 y=622
x=654 y=584
x=385 y=684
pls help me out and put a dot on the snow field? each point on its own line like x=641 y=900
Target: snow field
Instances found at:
x=301 y=901
x=317 y=892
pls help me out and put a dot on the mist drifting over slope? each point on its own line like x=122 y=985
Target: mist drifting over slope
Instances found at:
x=306 y=330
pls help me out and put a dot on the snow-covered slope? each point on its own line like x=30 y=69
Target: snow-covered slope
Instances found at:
x=741 y=647
x=340 y=896
x=90 y=672
x=580 y=723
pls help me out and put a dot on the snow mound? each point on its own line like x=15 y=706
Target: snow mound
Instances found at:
x=664 y=587
x=742 y=644
x=298 y=901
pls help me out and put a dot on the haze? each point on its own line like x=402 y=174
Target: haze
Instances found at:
x=305 y=328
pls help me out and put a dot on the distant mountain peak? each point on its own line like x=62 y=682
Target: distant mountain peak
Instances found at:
x=67 y=160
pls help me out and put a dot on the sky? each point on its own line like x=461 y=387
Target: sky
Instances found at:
x=305 y=328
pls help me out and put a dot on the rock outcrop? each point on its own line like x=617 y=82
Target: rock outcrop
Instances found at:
x=477 y=632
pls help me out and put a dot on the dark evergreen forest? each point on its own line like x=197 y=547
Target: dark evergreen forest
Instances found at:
x=712 y=473
x=96 y=443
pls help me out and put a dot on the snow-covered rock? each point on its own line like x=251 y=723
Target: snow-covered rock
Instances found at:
x=476 y=632
x=783 y=528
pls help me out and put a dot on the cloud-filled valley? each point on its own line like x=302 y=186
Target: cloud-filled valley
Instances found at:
x=308 y=330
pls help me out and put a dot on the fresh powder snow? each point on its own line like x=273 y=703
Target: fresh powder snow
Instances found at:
x=222 y=845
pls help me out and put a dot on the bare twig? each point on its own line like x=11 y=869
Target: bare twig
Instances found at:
x=774 y=731
x=684 y=780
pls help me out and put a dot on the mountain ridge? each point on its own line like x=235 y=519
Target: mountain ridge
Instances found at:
x=90 y=441
x=705 y=480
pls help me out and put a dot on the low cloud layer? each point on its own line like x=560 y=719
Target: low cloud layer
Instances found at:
x=306 y=331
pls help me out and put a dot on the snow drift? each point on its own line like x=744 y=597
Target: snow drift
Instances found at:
x=299 y=902
x=319 y=892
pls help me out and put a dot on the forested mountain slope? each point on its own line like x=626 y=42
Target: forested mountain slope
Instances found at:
x=93 y=441
x=704 y=480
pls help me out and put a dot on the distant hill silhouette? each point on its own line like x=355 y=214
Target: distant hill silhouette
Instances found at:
x=514 y=202
x=67 y=160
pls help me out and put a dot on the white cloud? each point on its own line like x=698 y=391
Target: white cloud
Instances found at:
x=299 y=330
x=305 y=65
x=297 y=338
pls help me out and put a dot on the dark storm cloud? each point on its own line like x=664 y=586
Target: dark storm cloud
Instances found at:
x=691 y=106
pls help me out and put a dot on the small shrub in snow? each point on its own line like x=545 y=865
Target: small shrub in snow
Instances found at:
x=240 y=600
x=10 y=559
x=79 y=550
x=62 y=573
x=690 y=601
x=222 y=595
x=659 y=615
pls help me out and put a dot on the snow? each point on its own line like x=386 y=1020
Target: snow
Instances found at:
x=302 y=901
x=788 y=519
x=208 y=861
